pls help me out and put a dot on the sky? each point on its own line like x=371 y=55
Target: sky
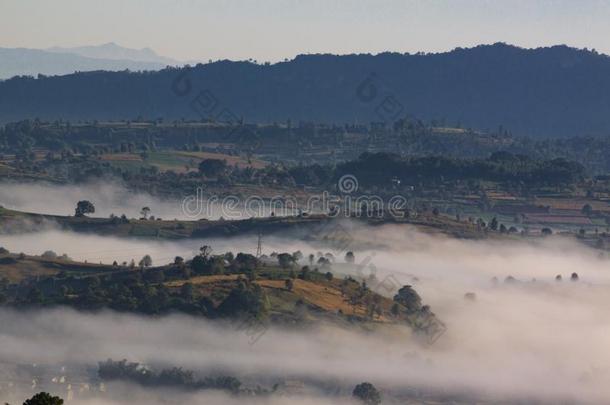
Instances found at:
x=272 y=30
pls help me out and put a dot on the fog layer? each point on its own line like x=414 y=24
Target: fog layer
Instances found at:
x=532 y=340
x=108 y=198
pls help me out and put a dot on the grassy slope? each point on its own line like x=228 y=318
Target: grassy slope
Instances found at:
x=13 y=221
x=177 y=161
x=307 y=301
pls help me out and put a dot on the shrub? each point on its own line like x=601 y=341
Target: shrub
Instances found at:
x=367 y=393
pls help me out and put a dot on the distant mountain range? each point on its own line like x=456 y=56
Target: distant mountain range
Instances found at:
x=113 y=51
x=554 y=91
x=61 y=61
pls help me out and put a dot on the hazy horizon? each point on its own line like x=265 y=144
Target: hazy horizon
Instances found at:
x=197 y=31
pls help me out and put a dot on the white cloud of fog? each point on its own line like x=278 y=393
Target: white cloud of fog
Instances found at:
x=538 y=340
x=96 y=249
x=93 y=248
x=114 y=198
x=108 y=198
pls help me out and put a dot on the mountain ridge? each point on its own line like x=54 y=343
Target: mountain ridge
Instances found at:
x=32 y=62
x=547 y=91
x=113 y=51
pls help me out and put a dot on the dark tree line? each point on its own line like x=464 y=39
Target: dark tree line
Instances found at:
x=380 y=168
x=527 y=90
x=174 y=377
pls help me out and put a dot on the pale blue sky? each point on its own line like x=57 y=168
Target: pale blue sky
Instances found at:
x=277 y=29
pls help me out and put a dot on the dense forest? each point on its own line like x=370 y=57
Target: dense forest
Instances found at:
x=381 y=168
x=556 y=91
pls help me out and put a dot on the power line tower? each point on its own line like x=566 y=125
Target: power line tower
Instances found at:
x=259 y=247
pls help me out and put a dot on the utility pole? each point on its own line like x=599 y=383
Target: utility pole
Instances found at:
x=259 y=247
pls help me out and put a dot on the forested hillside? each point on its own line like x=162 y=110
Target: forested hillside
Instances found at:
x=555 y=91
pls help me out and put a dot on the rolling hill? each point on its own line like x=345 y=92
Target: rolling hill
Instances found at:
x=112 y=51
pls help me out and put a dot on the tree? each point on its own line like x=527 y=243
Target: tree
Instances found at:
x=367 y=393
x=199 y=264
x=312 y=257
x=146 y=261
x=285 y=260
x=289 y=284
x=145 y=211
x=84 y=207
x=49 y=254
x=493 y=224
x=349 y=257
x=245 y=261
x=44 y=398
x=297 y=256
x=305 y=273
x=205 y=264
x=587 y=210
x=409 y=298
x=205 y=251
x=245 y=300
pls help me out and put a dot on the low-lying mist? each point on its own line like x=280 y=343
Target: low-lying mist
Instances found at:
x=114 y=198
x=530 y=339
x=108 y=198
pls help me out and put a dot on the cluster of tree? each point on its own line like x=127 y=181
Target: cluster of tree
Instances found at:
x=75 y=150
x=246 y=301
x=44 y=398
x=143 y=290
x=381 y=168
x=179 y=378
x=175 y=377
x=84 y=207
x=166 y=289
x=144 y=294
x=494 y=225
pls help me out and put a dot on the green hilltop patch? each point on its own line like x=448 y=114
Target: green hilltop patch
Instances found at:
x=240 y=288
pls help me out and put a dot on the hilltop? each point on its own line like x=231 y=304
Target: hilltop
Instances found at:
x=256 y=291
